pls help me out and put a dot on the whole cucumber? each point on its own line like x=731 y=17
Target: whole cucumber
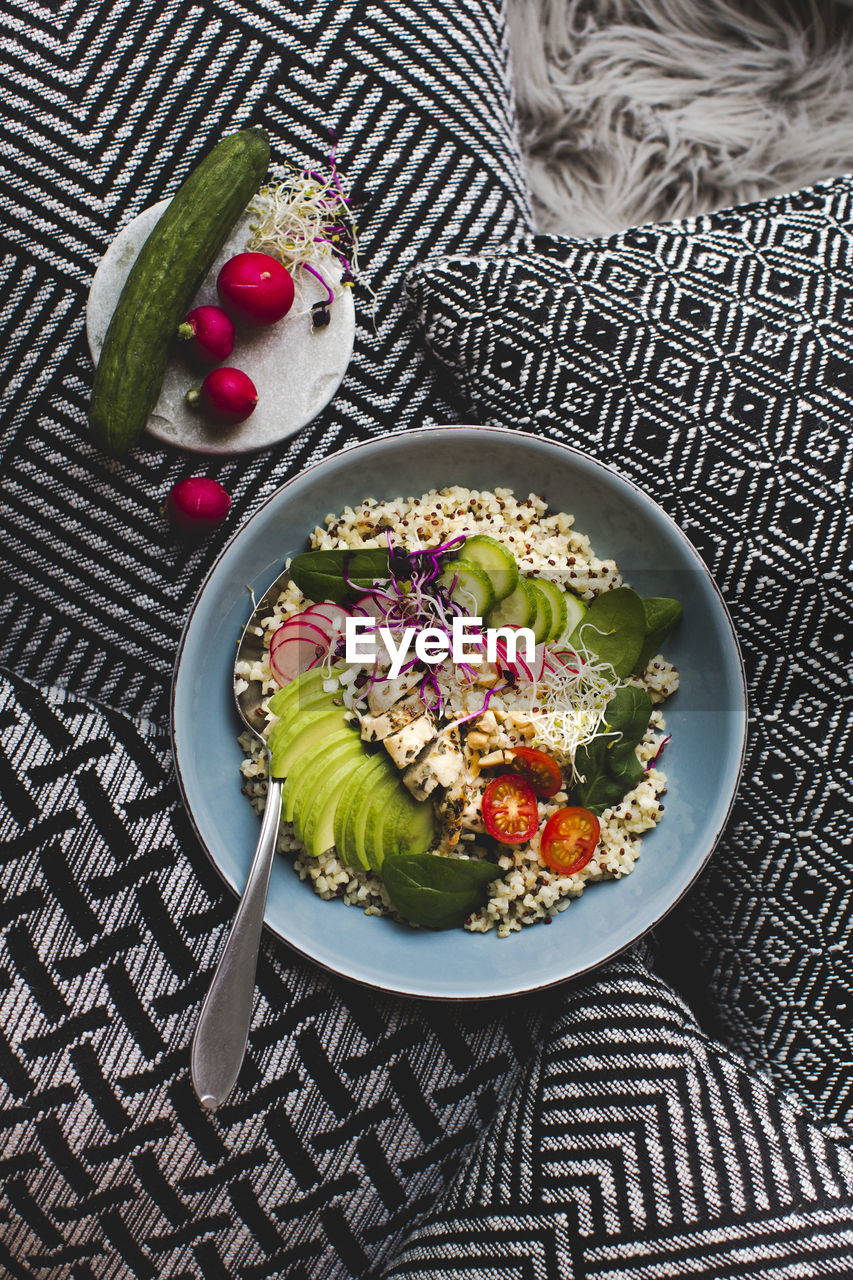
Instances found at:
x=165 y=277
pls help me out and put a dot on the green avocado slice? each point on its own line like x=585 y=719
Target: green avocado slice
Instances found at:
x=318 y=822
x=395 y=817
x=311 y=780
x=414 y=830
x=285 y=700
x=309 y=700
x=374 y=767
x=289 y=739
x=304 y=690
x=309 y=761
x=370 y=819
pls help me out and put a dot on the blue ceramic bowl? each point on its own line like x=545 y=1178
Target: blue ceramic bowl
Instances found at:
x=707 y=717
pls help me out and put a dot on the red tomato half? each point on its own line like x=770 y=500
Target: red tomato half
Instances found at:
x=539 y=769
x=569 y=840
x=510 y=812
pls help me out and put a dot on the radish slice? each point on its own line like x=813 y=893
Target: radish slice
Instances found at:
x=292 y=656
x=335 y=614
x=569 y=659
x=538 y=662
x=555 y=660
x=370 y=607
x=518 y=667
x=524 y=671
x=296 y=629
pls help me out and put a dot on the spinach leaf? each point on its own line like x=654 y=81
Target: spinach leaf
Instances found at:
x=338 y=575
x=662 y=616
x=609 y=765
x=614 y=628
x=628 y=712
x=439 y=893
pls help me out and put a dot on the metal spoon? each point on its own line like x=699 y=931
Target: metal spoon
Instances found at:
x=222 y=1031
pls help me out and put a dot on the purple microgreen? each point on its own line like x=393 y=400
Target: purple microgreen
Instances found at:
x=330 y=295
x=481 y=711
x=653 y=762
x=305 y=218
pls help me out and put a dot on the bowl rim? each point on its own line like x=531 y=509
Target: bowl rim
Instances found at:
x=402 y=437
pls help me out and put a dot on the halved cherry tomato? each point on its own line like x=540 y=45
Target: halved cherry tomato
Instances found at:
x=510 y=812
x=539 y=769
x=569 y=840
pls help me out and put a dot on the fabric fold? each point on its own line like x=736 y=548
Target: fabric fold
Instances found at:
x=635 y=1147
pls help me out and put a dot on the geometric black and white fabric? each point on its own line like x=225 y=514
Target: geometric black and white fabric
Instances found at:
x=711 y=361
x=352 y=1109
x=617 y=1137
x=594 y=1131
x=113 y=104
x=635 y=1148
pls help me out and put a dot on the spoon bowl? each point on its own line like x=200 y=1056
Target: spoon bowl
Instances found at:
x=251 y=649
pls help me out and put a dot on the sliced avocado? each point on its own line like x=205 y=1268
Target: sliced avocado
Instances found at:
x=374 y=767
x=414 y=830
x=314 y=780
x=393 y=817
x=309 y=763
x=305 y=686
x=370 y=817
x=309 y=698
x=289 y=739
x=354 y=831
x=307 y=680
x=353 y=835
x=282 y=726
x=318 y=825
x=282 y=730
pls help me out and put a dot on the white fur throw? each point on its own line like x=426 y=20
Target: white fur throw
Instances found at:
x=641 y=110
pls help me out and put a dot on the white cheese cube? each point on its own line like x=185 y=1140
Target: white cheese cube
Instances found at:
x=407 y=743
x=378 y=728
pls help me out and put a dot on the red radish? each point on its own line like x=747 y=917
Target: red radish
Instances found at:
x=518 y=667
x=539 y=662
x=292 y=630
x=197 y=505
x=227 y=395
x=208 y=333
x=369 y=607
x=334 y=614
x=325 y=615
x=569 y=659
x=293 y=656
x=534 y=670
x=255 y=288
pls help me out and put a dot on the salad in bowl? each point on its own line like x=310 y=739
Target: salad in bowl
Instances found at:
x=465 y=703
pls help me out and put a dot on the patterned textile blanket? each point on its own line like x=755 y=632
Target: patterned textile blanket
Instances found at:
x=708 y=360
x=595 y=1130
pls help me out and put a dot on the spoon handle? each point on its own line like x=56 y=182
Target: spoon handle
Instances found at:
x=219 y=1043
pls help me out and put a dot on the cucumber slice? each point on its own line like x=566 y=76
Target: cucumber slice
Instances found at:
x=518 y=610
x=489 y=555
x=576 y=608
x=473 y=588
x=559 y=613
x=543 y=617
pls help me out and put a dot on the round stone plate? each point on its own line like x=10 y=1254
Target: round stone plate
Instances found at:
x=295 y=367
